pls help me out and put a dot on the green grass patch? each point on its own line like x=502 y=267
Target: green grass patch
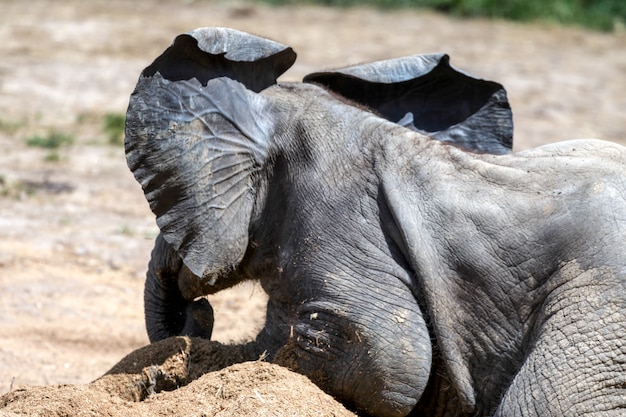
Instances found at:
x=605 y=15
x=52 y=156
x=10 y=127
x=113 y=126
x=53 y=140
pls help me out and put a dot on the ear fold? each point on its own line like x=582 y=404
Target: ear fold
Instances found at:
x=195 y=137
x=209 y=53
x=425 y=93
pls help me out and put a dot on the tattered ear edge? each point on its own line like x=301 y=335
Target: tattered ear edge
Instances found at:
x=488 y=130
x=208 y=53
x=425 y=93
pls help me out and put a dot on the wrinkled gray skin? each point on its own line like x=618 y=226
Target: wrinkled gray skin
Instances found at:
x=404 y=273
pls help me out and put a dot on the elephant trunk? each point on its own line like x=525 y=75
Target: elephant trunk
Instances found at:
x=167 y=312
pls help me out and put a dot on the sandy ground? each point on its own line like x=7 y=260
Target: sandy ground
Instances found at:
x=76 y=234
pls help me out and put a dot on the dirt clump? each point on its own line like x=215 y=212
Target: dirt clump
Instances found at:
x=181 y=376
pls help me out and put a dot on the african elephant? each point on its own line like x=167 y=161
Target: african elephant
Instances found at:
x=446 y=277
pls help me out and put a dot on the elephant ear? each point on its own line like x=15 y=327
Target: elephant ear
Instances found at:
x=208 y=53
x=195 y=135
x=425 y=93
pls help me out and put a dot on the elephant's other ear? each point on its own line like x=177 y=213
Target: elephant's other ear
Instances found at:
x=425 y=93
x=195 y=138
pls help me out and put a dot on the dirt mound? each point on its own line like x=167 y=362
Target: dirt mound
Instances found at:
x=181 y=376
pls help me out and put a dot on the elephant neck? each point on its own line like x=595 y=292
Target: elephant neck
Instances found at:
x=453 y=227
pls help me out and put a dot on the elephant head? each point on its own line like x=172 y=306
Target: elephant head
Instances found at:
x=199 y=151
x=253 y=179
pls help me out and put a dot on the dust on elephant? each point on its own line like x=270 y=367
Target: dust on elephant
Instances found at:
x=445 y=277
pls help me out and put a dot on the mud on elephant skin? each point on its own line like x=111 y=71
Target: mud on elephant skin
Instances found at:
x=412 y=262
